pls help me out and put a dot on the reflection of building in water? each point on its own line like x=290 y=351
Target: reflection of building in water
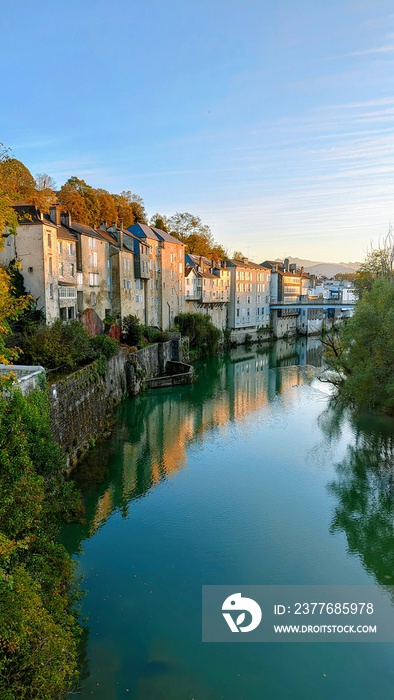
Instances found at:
x=155 y=428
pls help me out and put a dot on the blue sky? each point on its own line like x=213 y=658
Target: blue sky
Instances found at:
x=271 y=120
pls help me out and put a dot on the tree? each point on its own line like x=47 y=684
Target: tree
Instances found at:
x=81 y=200
x=107 y=207
x=74 y=202
x=160 y=221
x=44 y=194
x=132 y=330
x=202 y=334
x=363 y=358
x=16 y=179
x=183 y=225
x=38 y=628
x=378 y=263
x=7 y=194
x=237 y=255
x=196 y=236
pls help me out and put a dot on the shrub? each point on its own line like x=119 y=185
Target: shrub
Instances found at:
x=132 y=330
x=60 y=345
x=38 y=629
x=103 y=345
x=154 y=335
x=203 y=335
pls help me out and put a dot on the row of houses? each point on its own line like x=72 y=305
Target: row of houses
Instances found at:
x=70 y=267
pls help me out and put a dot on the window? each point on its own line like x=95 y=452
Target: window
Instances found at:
x=151 y=283
x=92 y=243
x=93 y=259
x=93 y=279
x=237 y=313
x=180 y=253
x=51 y=291
x=172 y=274
x=172 y=291
x=61 y=269
x=138 y=284
x=72 y=248
x=49 y=239
x=70 y=314
x=172 y=257
x=127 y=284
x=248 y=300
x=60 y=247
x=93 y=298
x=50 y=265
x=72 y=270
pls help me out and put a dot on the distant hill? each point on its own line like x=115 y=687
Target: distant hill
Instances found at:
x=324 y=268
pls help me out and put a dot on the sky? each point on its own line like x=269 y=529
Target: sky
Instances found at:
x=273 y=120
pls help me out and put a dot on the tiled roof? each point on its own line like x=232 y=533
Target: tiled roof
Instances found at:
x=84 y=229
x=29 y=214
x=166 y=236
x=239 y=263
x=64 y=234
x=143 y=231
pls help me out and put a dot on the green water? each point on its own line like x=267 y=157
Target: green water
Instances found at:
x=249 y=476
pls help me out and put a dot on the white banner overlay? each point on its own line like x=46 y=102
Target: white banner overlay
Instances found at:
x=297 y=614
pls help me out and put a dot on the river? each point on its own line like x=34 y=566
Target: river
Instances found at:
x=248 y=476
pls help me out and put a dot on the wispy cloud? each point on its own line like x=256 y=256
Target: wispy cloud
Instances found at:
x=367 y=52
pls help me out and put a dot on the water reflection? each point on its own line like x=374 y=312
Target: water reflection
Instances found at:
x=154 y=429
x=364 y=489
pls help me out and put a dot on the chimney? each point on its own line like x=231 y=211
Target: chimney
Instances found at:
x=302 y=270
x=245 y=260
x=274 y=267
x=293 y=267
x=65 y=219
x=200 y=262
x=55 y=214
x=286 y=263
x=103 y=226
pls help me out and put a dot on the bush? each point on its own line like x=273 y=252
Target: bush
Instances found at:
x=202 y=334
x=38 y=628
x=103 y=345
x=61 y=345
x=132 y=330
x=154 y=335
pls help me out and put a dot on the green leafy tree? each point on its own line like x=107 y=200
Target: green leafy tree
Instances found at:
x=362 y=355
x=238 y=255
x=132 y=330
x=378 y=263
x=160 y=221
x=38 y=628
x=203 y=335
